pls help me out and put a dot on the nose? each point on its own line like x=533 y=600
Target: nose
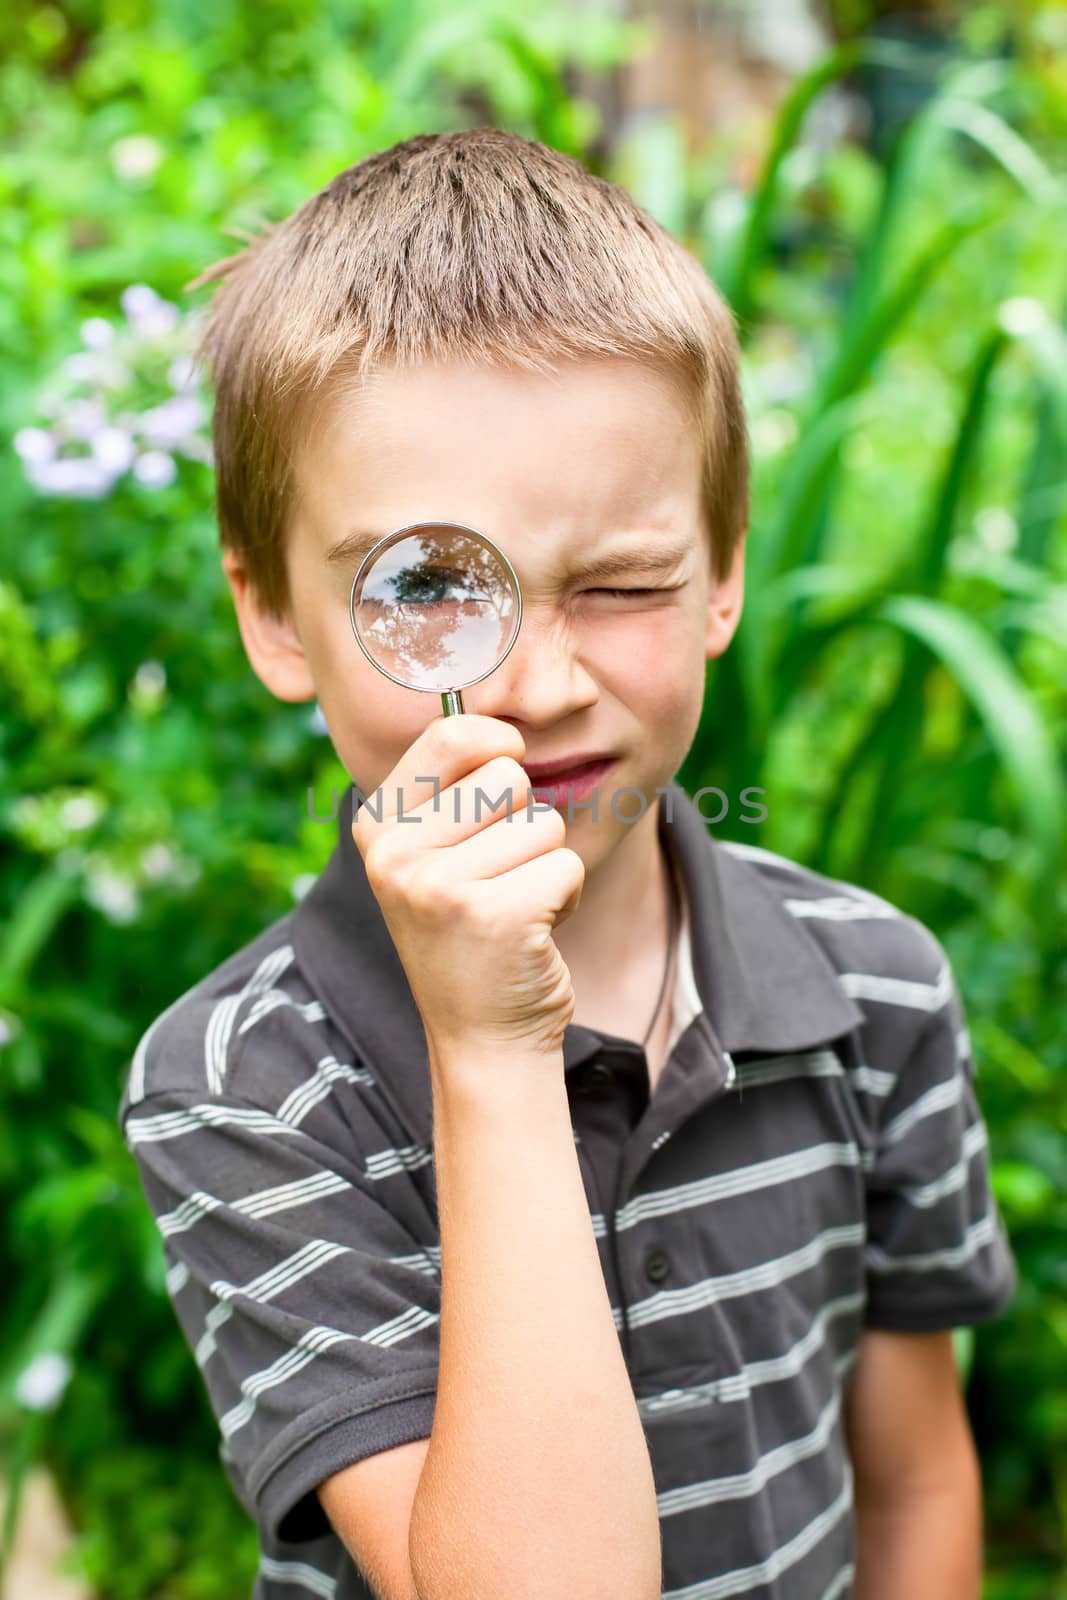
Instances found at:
x=542 y=680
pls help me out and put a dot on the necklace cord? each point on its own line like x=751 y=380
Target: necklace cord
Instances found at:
x=671 y=930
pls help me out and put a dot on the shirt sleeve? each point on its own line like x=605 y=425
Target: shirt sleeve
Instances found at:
x=300 y=1285
x=937 y=1254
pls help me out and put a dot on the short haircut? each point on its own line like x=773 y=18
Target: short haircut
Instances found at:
x=476 y=245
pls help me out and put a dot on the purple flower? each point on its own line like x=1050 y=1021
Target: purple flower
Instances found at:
x=80 y=477
x=147 y=311
x=167 y=425
x=82 y=366
x=114 y=449
x=34 y=446
x=154 y=469
x=83 y=419
x=181 y=374
x=97 y=334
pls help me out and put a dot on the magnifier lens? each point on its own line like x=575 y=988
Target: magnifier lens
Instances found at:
x=437 y=608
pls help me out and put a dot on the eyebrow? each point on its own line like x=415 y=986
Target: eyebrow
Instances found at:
x=657 y=559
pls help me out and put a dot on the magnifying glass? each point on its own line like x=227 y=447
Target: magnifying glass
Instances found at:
x=436 y=606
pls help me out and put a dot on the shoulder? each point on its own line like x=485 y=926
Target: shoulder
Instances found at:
x=882 y=954
x=198 y=1045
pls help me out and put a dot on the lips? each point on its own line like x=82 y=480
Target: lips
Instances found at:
x=567 y=767
x=574 y=786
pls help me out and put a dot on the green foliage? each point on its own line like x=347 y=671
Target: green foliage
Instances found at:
x=897 y=684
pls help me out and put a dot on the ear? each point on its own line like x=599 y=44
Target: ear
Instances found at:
x=725 y=600
x=271 y=643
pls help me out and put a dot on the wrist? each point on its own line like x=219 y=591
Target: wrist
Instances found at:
x=481 y=1071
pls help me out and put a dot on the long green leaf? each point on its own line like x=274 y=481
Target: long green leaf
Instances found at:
x=1003 y=704
x=856 y=356
x=926 y=569
x=1007 y=147
x=738 y=278
x=39 y=910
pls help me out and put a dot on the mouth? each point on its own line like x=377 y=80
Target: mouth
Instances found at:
x=577 y=780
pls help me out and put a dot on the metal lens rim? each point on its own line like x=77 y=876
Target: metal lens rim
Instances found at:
x=402 y=533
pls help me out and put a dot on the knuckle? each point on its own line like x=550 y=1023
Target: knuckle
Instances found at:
x=430 y=895
x=506 y=771
x=376 y=862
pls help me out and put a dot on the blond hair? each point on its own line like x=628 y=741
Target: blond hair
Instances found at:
x=477 y=245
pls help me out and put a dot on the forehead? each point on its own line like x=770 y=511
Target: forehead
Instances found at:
x=592 y=447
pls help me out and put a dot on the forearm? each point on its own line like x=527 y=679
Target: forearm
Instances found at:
x=928 y=1543
x=537 y=1479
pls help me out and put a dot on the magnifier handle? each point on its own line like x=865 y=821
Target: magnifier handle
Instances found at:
x=451 y=701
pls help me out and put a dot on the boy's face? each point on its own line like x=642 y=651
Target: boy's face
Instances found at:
x=595 y=460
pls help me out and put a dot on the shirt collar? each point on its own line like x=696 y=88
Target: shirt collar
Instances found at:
x=764 y=981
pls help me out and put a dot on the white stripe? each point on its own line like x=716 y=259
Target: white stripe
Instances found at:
x=841 y=1584
x=755 y=852
x=727 y=1286
x=928 y=1194
x=296 y=1106
x=406 y=1159
x=177 y=1278
x=772 y=1369
x=743 y=1485
x=172 y=1124
x=224 y=1014
x=742 y=1579
x=301 y=1574
x=316 y=1253
x=940 y=1098
x=135 y=1088
x=872 y=1080
x=310 y=1010
x=287 y=1366
x=840 y=908
x=427 y=1259
x=189 y=1212
x=736 y=1180
x=312 y=1255
x=803 y=1064
x=899 y=991
x=978 y=1234
x=266 y=1202
x=309 y=1345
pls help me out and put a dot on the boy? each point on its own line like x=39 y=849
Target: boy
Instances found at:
x=559 y=1202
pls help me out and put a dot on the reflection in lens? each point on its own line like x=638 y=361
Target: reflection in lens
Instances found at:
x=438 y=608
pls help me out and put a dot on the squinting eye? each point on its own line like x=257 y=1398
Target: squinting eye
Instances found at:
x=616 y=592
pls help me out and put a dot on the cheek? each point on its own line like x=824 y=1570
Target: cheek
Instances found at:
x=655 y=663
x=372 y=721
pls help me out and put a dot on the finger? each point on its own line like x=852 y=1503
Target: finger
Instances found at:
x=553 y=880
x=446 y=750
x=507 y=843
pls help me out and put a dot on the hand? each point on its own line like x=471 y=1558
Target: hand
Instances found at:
x=471 y=904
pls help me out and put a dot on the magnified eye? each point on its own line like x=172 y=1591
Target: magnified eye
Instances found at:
x=425 y=585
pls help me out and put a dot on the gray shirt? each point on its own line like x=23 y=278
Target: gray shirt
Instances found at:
x=813 y=1161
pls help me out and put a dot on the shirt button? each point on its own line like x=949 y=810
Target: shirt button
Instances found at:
x=657 y=1265
x=596 y=1079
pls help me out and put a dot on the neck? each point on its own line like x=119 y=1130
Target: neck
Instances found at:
x=616 y=941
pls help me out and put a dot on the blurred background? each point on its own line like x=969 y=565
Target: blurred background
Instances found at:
x=880 y=194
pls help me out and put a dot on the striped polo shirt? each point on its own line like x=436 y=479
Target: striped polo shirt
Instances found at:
x=812 y=1161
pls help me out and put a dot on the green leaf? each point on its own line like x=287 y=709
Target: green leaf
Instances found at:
x=1018 y=158
x=38 y=911
x=1003 y=703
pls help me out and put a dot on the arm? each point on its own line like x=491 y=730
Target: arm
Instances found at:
x=917 y=1481
x=537 y=1480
